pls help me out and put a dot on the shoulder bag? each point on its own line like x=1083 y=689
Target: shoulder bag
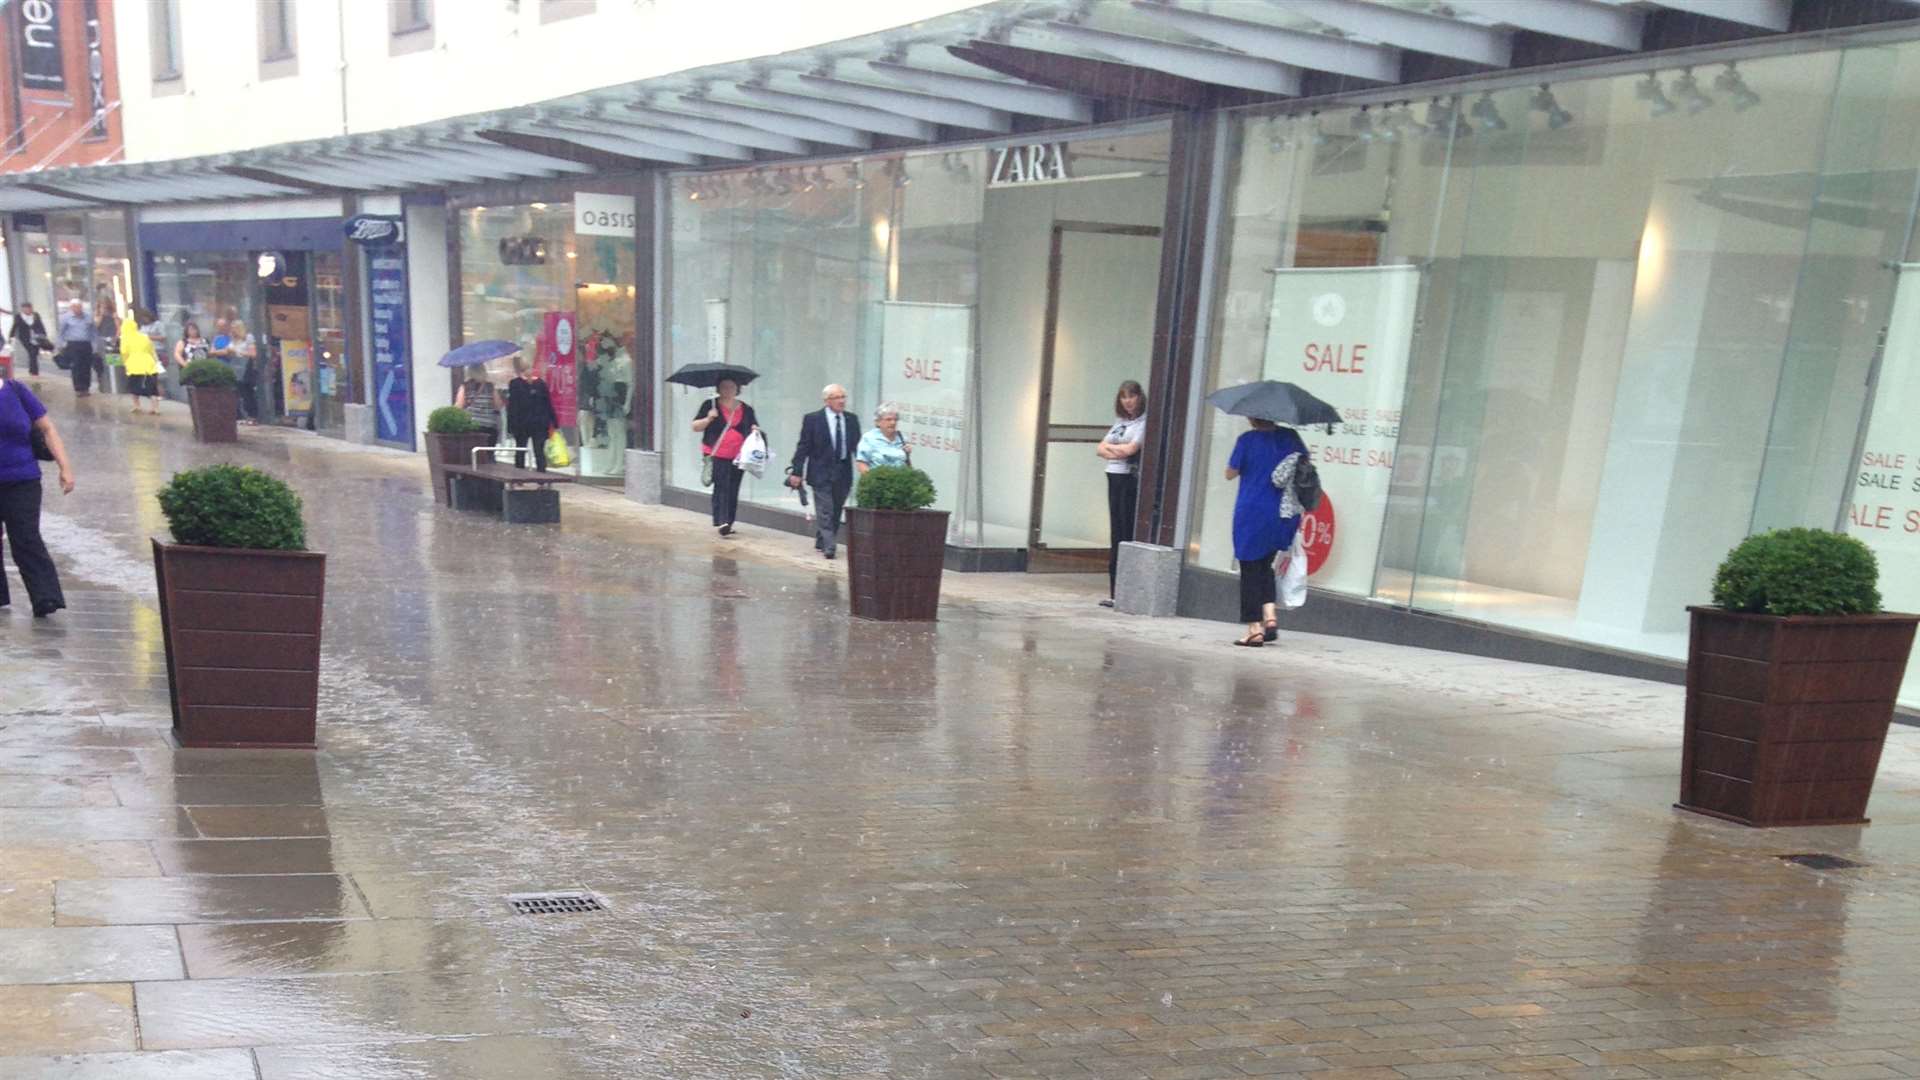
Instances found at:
x=41 y=451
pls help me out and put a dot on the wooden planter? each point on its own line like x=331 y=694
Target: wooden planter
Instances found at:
x=444 y=450
x=216 y=413
x=894 y=559
x=1786 y=716
x=242 y=632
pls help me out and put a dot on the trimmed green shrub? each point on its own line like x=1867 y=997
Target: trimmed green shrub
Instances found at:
x=1799 y=572
x=450 y=420
x=208 y=372
x=894 y=487
x=232 y=506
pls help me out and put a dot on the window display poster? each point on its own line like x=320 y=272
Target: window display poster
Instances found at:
x=296 y=376
x=387 y=309
x=924 y=354
x=554 y=359
x=1884 y=512
x=1344 y=335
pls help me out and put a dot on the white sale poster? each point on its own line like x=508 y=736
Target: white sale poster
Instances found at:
x=1884 y=511
x=1344 y=335
x=925 y=350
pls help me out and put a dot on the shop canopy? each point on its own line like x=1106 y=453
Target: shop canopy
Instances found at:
x=1013 y=68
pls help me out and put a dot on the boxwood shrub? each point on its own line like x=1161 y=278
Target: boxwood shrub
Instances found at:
x=894 y=487
x=208 y=372
x=232 y=506
x=450 y=420
x=1799 y=572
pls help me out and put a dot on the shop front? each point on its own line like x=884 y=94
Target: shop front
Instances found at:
x=552 y=267
x=1585 y=337
x=272 y=287
x=55 y=258
x=995 y=295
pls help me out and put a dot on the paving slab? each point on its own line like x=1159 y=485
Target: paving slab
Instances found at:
x=66 y=1019
x=89 y=954
x=162 y=1065
x=253 y=898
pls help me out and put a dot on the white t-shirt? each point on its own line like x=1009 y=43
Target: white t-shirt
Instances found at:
x=1122 y=433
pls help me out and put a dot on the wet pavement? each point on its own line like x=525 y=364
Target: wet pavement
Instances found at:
x=1039 y=840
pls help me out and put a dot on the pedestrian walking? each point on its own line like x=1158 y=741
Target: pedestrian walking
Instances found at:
x=77 y=335
x=530 y=415
x=1121 y=451
x=481 y=399
x=1265 y=517
x=22 y=417
x=141 y=361
x=883 y=444
x=720 y=445
x=30 y=333
x=823 y=460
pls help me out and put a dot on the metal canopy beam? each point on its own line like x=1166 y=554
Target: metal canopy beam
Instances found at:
x=1773 y=15
x=857 y=117
x=20 y=196
x=473 y=168
x=1407 y=29
x=1013 y=97
x=632 y=149
x=1187 y=61
x=726 y=131
x=517 y=160
x=811 y=128
x=653 y=135
x=934 y=110
x=295 y=185
x=1094 y=78
x=1613 y=26
x=410 y=174
x=1294 y=47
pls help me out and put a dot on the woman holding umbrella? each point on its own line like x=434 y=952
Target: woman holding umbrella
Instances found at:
x=724 y=422
x=1266 y=515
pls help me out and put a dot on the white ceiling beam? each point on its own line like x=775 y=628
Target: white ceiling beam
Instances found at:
x=608 y=144
x=950 y=112
x=520 y=161
x=1773 y=15
x=1407 y=29
x=356 y=176
x=1187 y=61
x=655 y=135
x=420 y=170
x=725 y=131
x=858 y=117
x=1299 y=48
x=1614 y=26
x=475 y=168
x=1014 y=97
x=810 y=128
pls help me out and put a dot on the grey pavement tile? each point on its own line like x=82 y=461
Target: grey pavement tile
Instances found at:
x=266 y=898
x=26 y=903
x=507 y=1057
x=71 y=1018
x=48 y=858
x=269 y=790
x=242 y=822
x=89 y=954
x=315 y=855
x=161 y=1065
x=330 y=948
x=18 y=826
x=334 y=1009
x=51 y=791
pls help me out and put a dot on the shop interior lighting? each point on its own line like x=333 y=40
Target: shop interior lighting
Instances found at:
x=1730 y=83
x=1544 y=101
x=1648 y=90
x=1687 y=89
x=855 y=174
x=1487 y=115
x=1443 y=118
x=1362 y=125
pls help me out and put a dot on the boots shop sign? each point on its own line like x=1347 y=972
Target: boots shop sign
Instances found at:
x=1033 y=163
x=37 y=24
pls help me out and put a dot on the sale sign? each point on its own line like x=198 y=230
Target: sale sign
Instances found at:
x=553 y=358
x=1344 y=334
x=1884 y=511
x=924 y=350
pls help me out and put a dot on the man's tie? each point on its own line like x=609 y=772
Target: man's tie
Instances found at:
x=839 y=449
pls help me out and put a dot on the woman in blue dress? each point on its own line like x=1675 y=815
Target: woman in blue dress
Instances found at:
x=1265 y=517
x=882 y=444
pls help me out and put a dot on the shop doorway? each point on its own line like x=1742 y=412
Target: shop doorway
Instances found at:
x=1103 y=283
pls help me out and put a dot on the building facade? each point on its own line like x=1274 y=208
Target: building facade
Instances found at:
x=1599 y=289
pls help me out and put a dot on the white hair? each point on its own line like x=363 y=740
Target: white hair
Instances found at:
x=887 y=408
x=827 y=390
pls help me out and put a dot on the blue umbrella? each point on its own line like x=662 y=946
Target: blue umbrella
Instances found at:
x=475 y=353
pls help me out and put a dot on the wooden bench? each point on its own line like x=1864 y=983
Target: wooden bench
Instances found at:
x=519 y=496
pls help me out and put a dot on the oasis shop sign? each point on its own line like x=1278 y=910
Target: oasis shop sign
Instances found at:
x=1034 y=163
x=595 y=214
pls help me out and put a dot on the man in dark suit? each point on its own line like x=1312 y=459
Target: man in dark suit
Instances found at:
x=823 y=460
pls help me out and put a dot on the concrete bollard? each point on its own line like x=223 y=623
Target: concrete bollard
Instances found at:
x=644 y=476
x=1148 y=582
x=360 y=425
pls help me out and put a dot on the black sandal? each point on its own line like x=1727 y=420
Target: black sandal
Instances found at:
x=1270 y=631
x=1251 y=642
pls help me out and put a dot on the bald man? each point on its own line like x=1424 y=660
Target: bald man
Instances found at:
x=823 y=460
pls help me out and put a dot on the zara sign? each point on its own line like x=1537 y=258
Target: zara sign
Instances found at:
x=1035 y=163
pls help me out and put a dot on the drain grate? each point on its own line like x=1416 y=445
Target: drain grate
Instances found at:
x=556 y=903
x=1821 y=861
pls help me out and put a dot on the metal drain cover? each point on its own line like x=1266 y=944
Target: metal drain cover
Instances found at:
x=556 y=903
x=1818 y=861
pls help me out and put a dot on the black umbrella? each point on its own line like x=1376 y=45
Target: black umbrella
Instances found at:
x=708 y=376
x=1280 y=402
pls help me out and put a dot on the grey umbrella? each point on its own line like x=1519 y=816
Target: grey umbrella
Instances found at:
x=1280 y=402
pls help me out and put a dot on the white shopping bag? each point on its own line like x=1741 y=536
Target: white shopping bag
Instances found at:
x=1293 y=580
x=753 y=454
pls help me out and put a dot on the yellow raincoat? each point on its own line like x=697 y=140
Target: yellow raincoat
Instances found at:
x=136 y=349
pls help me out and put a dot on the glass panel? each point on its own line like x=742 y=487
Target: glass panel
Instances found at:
x=332 y=369
x=604 y=292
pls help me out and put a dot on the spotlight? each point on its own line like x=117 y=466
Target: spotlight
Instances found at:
x=1362 y=125
x=1658 y=104
x=1486 y=114
x=1444 y=119
x=1544 y=101
x=1687 y=89
x=1731 y=84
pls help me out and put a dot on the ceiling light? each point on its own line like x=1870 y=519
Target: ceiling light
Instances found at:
x=1362 y=125
x=1731 y=84
x=1687 y=89
x=1658 y=104
x=1544 y=101
x=1486 y=114
x=1443 y=118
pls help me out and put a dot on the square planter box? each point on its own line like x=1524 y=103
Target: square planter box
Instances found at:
x=444 y=450
x=1786 y=715
x=242 y=633
x=216 y=413
x=894 y=561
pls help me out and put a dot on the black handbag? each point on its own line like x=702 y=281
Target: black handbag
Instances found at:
x=38 y=438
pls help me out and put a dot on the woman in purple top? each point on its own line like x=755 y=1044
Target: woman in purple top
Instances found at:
x=21 y=414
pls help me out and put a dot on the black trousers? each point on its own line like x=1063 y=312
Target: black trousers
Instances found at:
x=539 y=451
x=250 y=393
x=1258 y=588
x=80 y=361
x=1123 y=498
x=726 y=491
x=33 y=359
x=20 y=521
